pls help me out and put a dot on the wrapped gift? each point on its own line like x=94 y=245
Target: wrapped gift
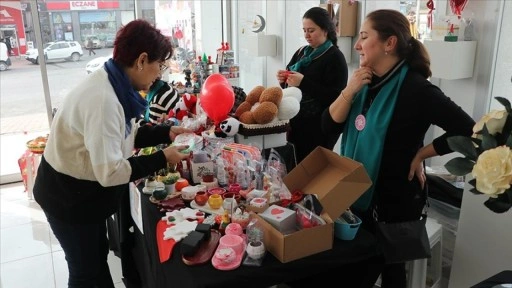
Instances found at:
x=283 y=219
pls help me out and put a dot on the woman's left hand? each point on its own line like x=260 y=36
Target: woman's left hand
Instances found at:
x=294 y=79
x=177 y=130
x=417 y=169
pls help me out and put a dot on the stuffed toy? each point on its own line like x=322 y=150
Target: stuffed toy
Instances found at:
x=265 y=105
x=290 y=104
x=228 y=127
x=186 y=104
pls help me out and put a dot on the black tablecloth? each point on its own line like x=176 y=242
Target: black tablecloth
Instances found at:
x=504 y=277
x=141 y=251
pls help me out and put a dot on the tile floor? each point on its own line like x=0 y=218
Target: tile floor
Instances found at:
x=30 y=255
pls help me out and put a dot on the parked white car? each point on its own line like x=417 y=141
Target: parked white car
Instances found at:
x=96 y=63
x=60 y=50
x=5 y=62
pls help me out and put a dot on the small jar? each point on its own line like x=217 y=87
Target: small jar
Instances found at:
x=201 y=198
x=215 y=201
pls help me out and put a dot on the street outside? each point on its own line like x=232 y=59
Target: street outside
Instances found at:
x=22 y=94
x=22 y=104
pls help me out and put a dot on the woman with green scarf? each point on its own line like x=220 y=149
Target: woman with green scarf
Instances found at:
x=320 y=71
x=384 y=114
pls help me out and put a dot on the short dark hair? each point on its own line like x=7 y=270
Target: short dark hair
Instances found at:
x=137 y=37
x=321 y=18
x=388 y=23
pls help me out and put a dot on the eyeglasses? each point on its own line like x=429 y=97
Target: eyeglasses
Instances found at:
x=163 y=67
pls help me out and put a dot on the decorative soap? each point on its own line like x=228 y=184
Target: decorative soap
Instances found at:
x=191 y=243
x=205 y=229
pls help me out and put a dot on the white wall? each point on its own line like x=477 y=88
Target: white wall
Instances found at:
x=472 y=94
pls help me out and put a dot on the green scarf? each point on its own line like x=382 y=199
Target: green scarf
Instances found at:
x=366 y=146
x=309 y=55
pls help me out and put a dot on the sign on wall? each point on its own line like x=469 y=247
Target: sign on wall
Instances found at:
x=83 y=5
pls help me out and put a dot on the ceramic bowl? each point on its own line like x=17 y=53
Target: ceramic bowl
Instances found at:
x=225 y=255
x=237 y=197
x=159 y=194
x=216 y=190
x=201 y=198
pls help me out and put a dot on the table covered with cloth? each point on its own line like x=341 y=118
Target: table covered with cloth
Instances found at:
x=142 y=268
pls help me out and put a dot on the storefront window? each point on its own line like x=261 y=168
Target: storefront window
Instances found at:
x=176 y=20
x=62 y=26
x=97 y=24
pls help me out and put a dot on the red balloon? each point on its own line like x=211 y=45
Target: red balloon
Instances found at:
x=214 y=79
x=217 y=99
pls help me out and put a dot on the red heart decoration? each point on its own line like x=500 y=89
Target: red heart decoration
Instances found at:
x=276 y=211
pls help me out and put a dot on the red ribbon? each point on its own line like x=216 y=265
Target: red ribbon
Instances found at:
x=457 y=6
x=430 y=6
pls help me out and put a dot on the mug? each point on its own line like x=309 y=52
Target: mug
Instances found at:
x=229 y=204
x=201 y=187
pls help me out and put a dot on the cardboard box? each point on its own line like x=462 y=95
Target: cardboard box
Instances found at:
x=196 y=170
x=263 y=141
x=338 y=182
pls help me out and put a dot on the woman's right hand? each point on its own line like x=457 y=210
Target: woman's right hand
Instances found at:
x=282 y=75
x=173 y=154
x=360 y=77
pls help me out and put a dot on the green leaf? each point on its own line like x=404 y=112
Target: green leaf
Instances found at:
x=502 y=137
x=488 y=141
x=497 y=205
x=504 y=101
x=463 y=145
x=509 y=141
x=472 y=182
x=474 y=191
x=459 y=166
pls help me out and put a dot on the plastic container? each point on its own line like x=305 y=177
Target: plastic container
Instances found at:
x=344 y=230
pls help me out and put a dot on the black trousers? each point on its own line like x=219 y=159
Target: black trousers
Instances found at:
x=86 y=249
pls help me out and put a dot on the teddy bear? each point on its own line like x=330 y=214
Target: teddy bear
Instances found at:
x=265 y=105
x=228 y=127
x=186 y=104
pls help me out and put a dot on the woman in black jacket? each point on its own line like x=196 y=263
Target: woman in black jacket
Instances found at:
x=384 y=113
x=320 y=71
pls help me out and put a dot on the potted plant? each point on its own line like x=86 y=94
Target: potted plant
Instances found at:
x=169 y=182
x=205 y=174
x=172 y=168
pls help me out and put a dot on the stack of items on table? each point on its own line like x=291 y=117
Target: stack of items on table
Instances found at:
x=250 y=204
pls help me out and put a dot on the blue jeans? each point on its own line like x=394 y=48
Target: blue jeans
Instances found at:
x=86 y=249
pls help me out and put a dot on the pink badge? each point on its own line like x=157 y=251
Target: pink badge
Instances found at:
x=360 y=122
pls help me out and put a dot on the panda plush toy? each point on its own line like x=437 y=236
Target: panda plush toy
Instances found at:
x=227 y=128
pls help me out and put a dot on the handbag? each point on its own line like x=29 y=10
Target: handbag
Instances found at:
x=404 y=241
